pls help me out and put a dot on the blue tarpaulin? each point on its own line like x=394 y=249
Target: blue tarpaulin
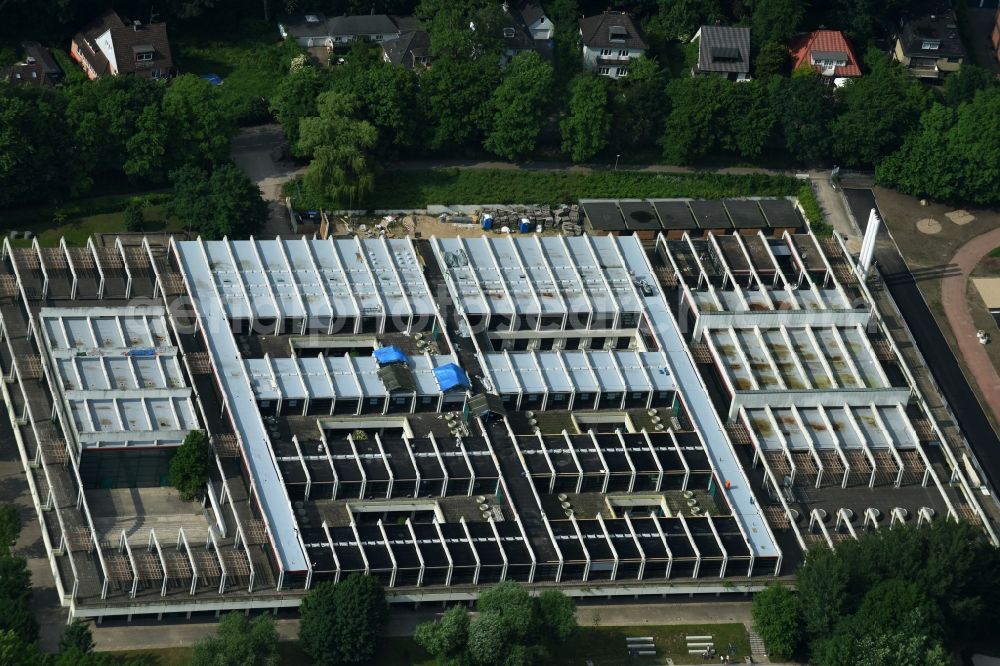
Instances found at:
x=450 y=376
x=391 y=354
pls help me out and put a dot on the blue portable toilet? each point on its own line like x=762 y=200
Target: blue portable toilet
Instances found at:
x=525 y=226
x=487 y=222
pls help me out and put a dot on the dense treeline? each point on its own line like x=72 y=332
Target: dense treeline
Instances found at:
x=895 y=597
x=347 y=119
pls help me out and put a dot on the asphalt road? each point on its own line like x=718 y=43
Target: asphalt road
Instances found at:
x=944 y=366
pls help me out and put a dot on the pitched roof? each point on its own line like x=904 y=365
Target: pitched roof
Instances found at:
x=596 y=31
x=409 y=50
x=127 y=40
x=723 y=48
x=940 y=28
x=363 y=24
x=824 y=45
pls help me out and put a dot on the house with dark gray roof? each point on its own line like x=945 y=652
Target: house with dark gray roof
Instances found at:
x=526 y=28
x=610 y=41
x=723 y=51
x=311 y=30
x=929 y=46
x=411 y=49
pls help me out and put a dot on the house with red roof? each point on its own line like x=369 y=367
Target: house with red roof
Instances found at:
x=826 y=51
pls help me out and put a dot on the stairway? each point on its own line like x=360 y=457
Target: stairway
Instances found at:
x=757 y=648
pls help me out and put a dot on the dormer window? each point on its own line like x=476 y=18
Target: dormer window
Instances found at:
x=931 y=44
x=617 y=33
x=143 y=53
x=508 y=32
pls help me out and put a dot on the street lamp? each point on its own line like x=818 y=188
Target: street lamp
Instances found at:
x=617 y=157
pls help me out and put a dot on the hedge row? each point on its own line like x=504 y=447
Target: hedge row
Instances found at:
x=417 y=189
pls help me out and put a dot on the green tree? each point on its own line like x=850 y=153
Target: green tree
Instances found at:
x=199 y=125
x=557 y=614
x=221 y=203
x=239 y=641
x=962 y=86
x=34 y=144
x=955 y=156
x=805 y=114
x=822 y=586
x=520 y=105
x=447 y=637
x=777 y=618
x=696 y=124
x=15 y=599
x=147 y=147
x=77 y=636
x=879 y=110
x=17 y=651
x=341 y=623
x=342 y=170
x=588 y=121
x=189 y=466
x=772 y=60
x=388 y=98
x=680 y=19
x=640 y=104
x=10 y=528
x=134 y=215
x=295 y=99
x=454 y=97
x=775 y=20
x=104 y=115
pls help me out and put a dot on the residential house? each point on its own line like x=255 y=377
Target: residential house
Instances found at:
x=826 y=51
x=111 y=46
x=929 y=46
x=527 y=28
x=723 y=51
x=312 y=30
x=38 y=68
x=413 y=46
x=996 y=35
x=610 y=41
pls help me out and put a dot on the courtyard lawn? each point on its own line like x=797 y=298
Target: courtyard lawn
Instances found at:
x=604 y=646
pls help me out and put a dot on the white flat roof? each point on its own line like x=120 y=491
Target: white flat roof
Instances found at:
x=313 y=278
x=119 y=377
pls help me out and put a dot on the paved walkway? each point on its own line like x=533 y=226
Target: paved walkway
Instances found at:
x=954 y=295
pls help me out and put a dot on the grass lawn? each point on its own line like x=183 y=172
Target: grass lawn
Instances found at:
x=392 y=651
x=251 y=62
x=77 y=230
x=417 y=189
x=604 y=646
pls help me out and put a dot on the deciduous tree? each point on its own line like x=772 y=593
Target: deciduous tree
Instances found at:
x=189 y=466
x=777 y=618
x=10 y=527
x=879 y=110
x=588 y=121
x=239 y=641
x=341 y=622
x=447 y=637
x=520 y=106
